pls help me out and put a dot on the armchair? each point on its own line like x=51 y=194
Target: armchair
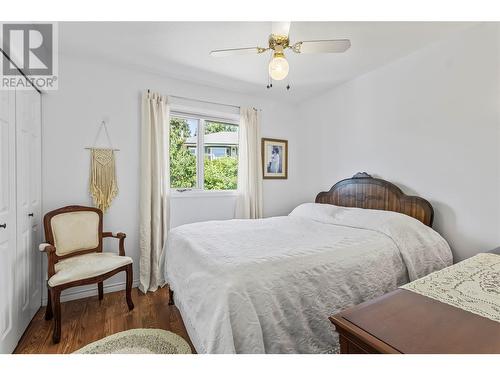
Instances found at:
x=74 y=239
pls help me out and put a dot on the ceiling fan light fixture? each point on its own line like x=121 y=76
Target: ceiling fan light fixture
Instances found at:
x=278 y=67
x=278 y=42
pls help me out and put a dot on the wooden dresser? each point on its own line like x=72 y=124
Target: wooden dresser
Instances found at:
x=407 y=322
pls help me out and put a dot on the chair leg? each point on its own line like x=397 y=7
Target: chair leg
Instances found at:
x=48 y=309
x=56 y=303
x=170 y=296
x=100 y=287
x=129 y=273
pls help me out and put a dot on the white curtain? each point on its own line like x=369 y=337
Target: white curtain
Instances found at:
x=154 y=190
x=249 y=200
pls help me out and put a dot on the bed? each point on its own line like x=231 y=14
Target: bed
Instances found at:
x=269 y=285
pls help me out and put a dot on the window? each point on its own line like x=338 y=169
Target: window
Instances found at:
x=209 y=162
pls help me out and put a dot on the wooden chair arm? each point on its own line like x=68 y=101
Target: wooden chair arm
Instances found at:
x=47 y=248
x=51 y=256
x=121 y=236
x=117 y=235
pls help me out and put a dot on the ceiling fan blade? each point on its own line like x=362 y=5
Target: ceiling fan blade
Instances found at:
x=280 y=28
x=237 y=51
x=322 y=46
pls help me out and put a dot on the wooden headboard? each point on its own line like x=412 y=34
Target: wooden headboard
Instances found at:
x=364 y=191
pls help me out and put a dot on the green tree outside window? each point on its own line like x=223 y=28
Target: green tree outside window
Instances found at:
x=219 y=173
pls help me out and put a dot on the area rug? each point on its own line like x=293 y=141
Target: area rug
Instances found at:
x=139 y=341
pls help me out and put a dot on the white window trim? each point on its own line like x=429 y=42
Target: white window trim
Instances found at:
x=202 y=115
x=197 y=193
x=200 y=155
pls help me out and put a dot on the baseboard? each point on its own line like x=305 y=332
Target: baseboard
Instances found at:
x=91 y=290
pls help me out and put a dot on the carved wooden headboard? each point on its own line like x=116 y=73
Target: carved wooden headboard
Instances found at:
x=364 y=191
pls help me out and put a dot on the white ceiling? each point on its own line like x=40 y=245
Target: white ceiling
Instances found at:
x=181 y=50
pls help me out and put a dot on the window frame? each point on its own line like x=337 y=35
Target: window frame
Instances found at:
x=202 y=115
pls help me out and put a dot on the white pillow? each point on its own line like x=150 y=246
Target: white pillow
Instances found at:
x=318 y=211
x=351 y=216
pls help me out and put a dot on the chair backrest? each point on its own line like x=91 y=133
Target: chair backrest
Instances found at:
x=74 y=230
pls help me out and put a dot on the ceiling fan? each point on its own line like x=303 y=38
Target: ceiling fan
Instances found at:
x=278 y=43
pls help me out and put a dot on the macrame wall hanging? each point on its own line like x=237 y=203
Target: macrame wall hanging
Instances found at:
x=102 y=185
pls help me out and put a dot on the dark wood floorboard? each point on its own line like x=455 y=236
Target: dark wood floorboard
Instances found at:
x=87 y=320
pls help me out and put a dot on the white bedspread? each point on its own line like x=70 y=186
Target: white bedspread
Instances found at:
x=269 y=285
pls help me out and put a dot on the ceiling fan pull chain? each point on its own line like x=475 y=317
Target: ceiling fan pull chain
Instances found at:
x=269 y=82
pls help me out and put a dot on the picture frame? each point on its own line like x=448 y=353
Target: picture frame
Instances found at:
x=274 y=158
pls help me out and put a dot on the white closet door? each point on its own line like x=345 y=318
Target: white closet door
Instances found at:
x=28 y=259
x=9 y=330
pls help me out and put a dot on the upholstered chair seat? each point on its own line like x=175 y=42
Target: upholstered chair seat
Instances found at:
x=85 y=266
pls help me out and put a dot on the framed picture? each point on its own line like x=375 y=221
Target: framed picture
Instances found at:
x=274 y=158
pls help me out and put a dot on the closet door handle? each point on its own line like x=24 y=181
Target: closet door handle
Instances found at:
x=31 y=214
x=4 y=225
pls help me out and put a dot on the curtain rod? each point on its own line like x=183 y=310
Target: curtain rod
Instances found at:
x=207 y=101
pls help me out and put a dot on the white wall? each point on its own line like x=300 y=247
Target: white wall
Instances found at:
x=429 y=123
x=91 y=91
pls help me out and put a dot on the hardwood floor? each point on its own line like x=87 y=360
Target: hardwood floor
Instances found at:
x=87 y=320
